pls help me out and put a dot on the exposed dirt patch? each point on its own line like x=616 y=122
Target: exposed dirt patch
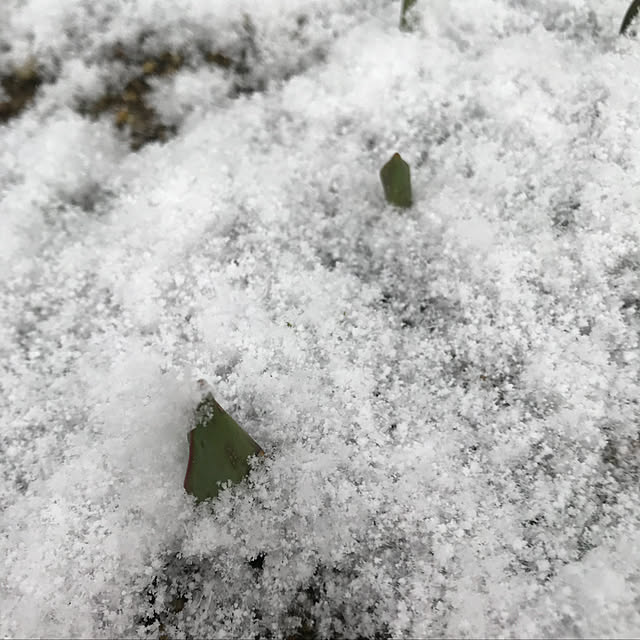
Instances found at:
x=129 y=105
x=139 y=67
x=18 y=90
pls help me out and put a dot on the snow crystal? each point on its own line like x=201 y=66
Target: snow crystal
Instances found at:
x=447 y=396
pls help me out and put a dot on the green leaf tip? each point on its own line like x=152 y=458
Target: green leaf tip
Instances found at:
x=405 y=24
x=632 y=12
x=396 y=181
x=219 y=450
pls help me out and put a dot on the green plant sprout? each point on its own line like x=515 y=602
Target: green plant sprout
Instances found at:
x=404 y=23
x=219 y=450
x=632 y=12
x=396 y=181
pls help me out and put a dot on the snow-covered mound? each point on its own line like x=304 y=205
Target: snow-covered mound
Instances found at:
x=447 y=395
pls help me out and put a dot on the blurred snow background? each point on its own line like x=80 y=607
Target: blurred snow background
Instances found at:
x=448 y=396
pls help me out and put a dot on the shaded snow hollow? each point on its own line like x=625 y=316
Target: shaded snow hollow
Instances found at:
x=447 y=395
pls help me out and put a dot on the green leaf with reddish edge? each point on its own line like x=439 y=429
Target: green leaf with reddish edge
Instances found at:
x=219 y=450
x=396 y=181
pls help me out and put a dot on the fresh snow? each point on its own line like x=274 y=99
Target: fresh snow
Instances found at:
x=447 y=395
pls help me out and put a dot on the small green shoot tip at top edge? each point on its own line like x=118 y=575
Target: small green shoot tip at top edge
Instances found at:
x=219 y=450
x=632 y=12
x=396 y=181
x=405 y=24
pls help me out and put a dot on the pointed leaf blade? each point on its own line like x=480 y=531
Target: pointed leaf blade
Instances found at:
x=404 y=22
x=219 y=450
x=632 y=12
x=396 y=181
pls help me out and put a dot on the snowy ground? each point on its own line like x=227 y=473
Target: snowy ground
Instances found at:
x=447 y=395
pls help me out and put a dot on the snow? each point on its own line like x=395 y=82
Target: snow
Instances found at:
x=447 y=395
